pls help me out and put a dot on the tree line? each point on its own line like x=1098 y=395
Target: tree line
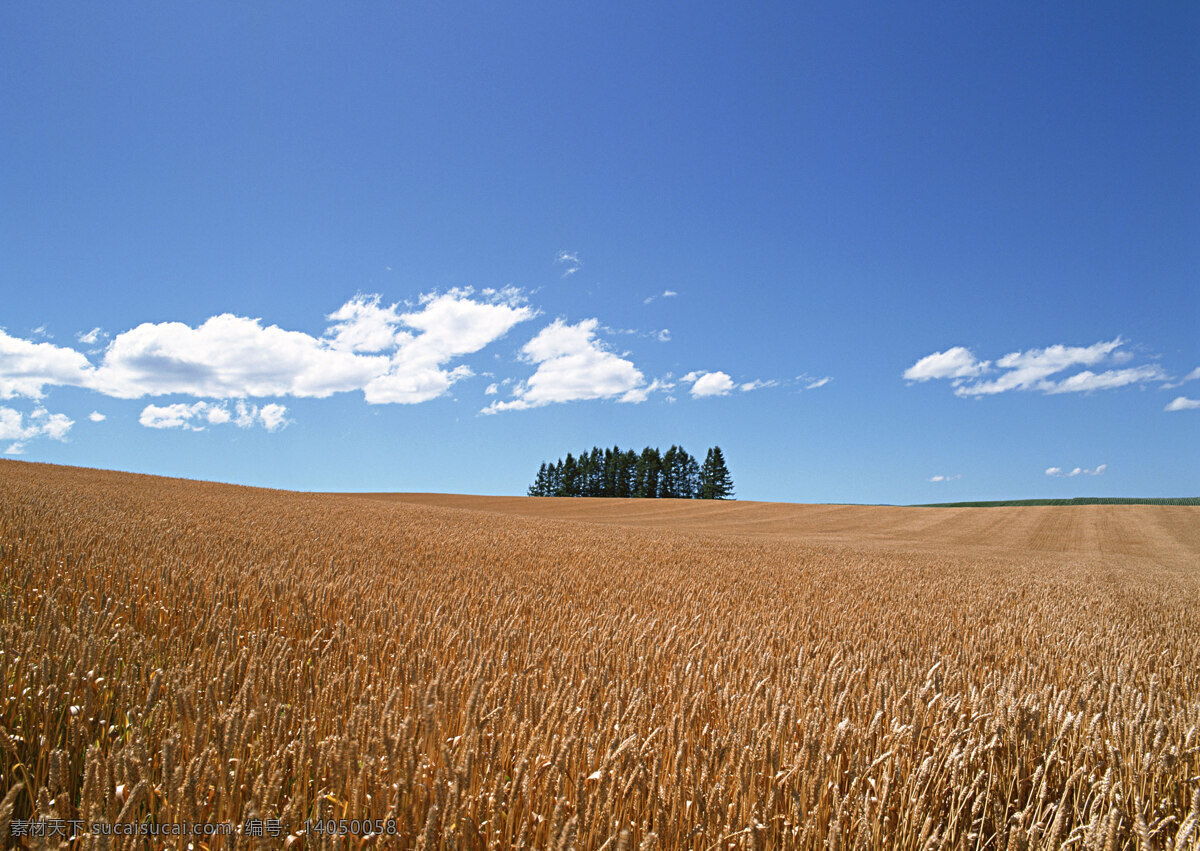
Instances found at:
x=652 y=474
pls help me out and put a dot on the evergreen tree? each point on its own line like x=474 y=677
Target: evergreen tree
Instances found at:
x=596 y=472
x=570 y=476
x=668 y=482
x=541 y=485
x=626 y=467
x=715 y=480
x=649 y=468
x=690 y=477
x=673 y=474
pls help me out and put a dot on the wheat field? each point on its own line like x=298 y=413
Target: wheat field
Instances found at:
x=415 y=671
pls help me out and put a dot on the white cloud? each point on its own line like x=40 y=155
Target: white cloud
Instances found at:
x=1182 y=403
x=709 y=383
x=757 y=384
x=1193 y=375
x=569 y=259
x=641 y=394
x=665 y=294
x=811 y=383
x=573 y=365
x=1087 y=381
x=27 y=367
x=361 y=325
x=90 y=338
x=273 y=416
x=180 y=415
x=944 y=478
x=492 y=389
x=391 y=356
x=450 y=325
x=664 y=336
x=15 y=425
x=17 y=448
x=957 y=362
x=229 y=356
x=97 y=417
x=1078 y=471
x=198 y=415
x=1035 y=369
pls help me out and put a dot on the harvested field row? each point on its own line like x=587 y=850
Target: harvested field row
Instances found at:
x=179 y=651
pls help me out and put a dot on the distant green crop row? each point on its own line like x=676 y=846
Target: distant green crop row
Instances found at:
x=1081 y=500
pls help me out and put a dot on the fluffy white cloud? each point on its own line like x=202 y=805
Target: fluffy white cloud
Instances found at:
x=1078 y=471
x=449 y=326
x=957 y=362
x=97 y=417
x=573 y=365
x=228 y=356
x=19 y=427
x=1182 y=403
x=1035 y=369
x=198 y=415
x=362 y=325
x=27 y=367
x=944 y=478
x=389 y=355
x=273 y=416
x=709 y=383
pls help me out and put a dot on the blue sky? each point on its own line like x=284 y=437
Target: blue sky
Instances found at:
x=877 y=254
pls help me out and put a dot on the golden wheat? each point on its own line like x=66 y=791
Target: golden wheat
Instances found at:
x=182 y=652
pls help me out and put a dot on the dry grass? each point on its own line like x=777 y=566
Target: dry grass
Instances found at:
x=178 y=652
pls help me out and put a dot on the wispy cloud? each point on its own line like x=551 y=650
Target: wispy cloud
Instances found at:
x=663 y=294
x=757 y=384
x=573 y=365
x=811 y=383
x=570 y=262
x=1038 y=370
x=1078 y=471
x=944 y=478
x=97 y=417
x=90 y=338
x=1182 y=403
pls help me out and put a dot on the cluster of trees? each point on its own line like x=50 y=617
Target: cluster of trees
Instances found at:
x=673 y=474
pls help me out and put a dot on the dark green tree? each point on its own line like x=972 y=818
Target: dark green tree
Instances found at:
x=648 y=469
x=541 y=485
x=715 y=480
x=570 y=477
